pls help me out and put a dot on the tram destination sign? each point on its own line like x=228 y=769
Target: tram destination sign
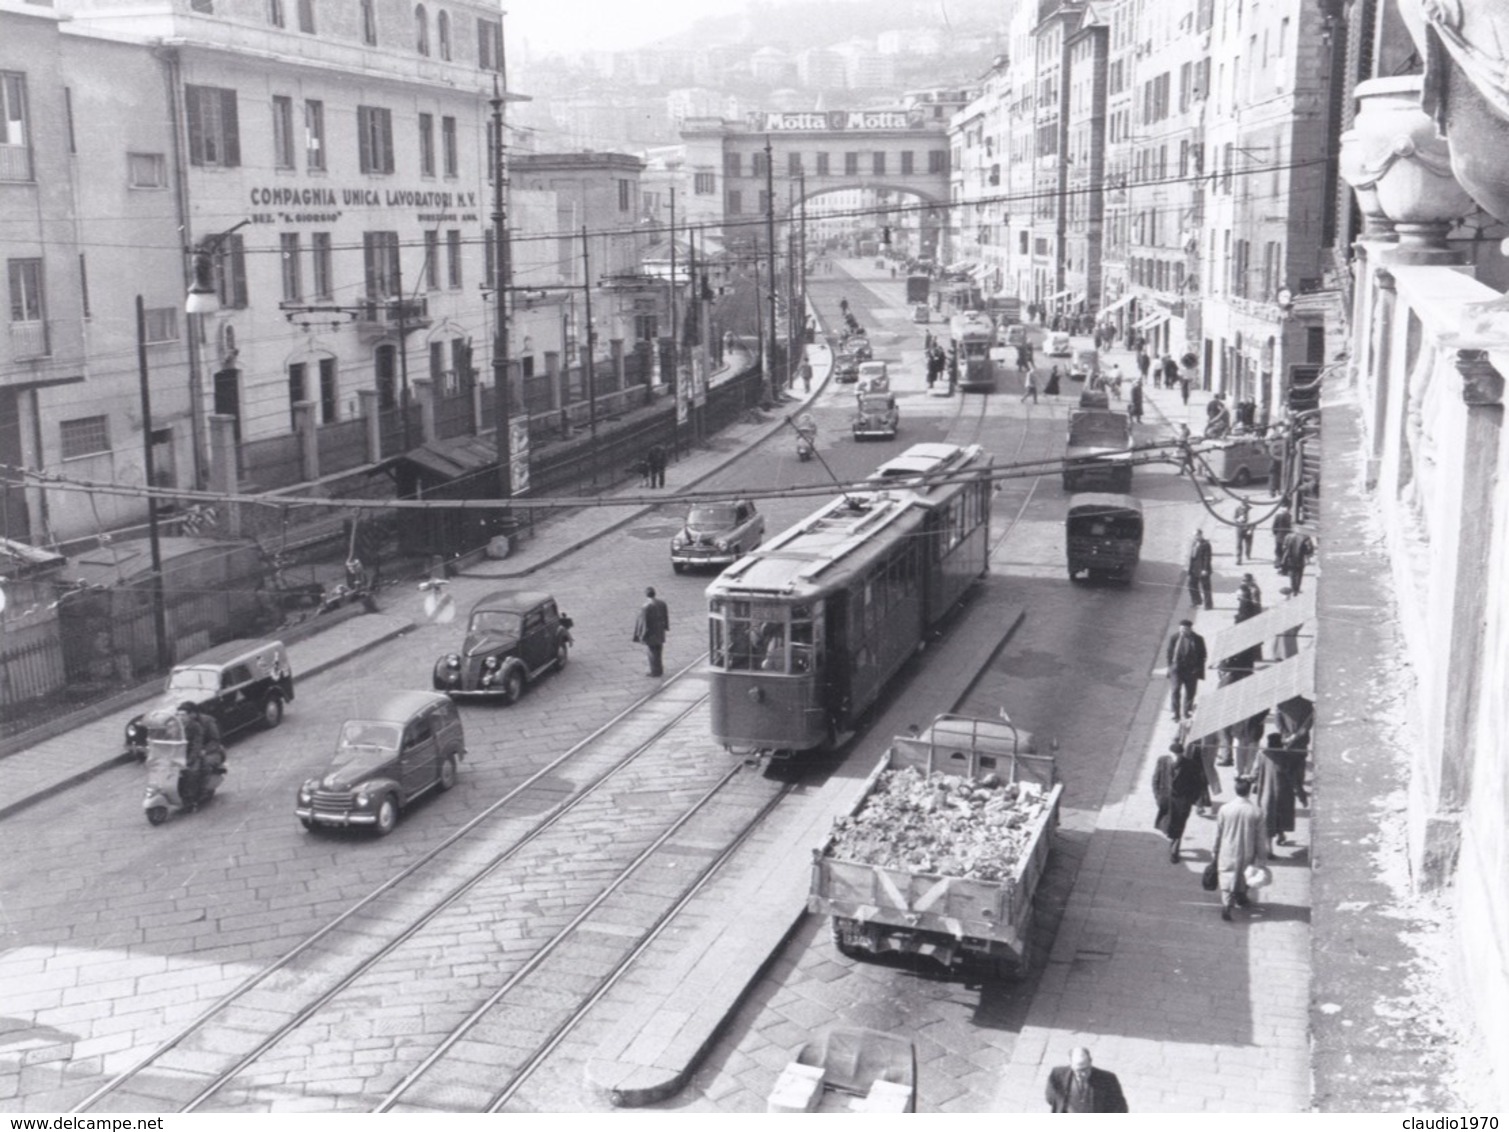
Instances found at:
x=809 y=121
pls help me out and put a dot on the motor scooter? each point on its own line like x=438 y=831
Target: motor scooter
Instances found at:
x=356 y=588
x=806 y=437
x=172 y=784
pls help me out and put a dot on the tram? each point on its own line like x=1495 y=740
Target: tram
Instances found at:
x=971 y=334
x=806 y=631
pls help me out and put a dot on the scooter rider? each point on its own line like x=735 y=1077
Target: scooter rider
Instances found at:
x=206 y=752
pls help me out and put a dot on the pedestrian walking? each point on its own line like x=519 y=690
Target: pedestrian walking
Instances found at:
x=1054 y=377
x=1178 y=785
x=1298 y=550
x=1144 y=363
x=657 y=458
x=1080 y=1087
x=1184 y=389
x=1283 y=523
x=1278 y=772
x=1170 y=370
x=1249 y=598
x=806 y=372
x=1134 y=401
x=1030 y=389
x=1244 y=529
x=1186 y=668
x=1199 y=571
x=1240 y=842
x=1115 y=382
x=653 y=623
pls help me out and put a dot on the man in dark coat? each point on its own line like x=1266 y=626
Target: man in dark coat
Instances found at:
x=656 y=457
x=1296 y=553
x=1278 y=772
x=1186 y=667
x=1179 y=783
x=1249 y=598
x=651 y=627
x=1199 y=571
x=1283 y=523
x=1244 y=529
x=1080 y=1087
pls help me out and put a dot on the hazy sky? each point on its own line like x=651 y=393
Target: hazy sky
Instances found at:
x=563 y=25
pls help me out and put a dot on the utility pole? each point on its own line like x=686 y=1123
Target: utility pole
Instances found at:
x=501 y=292
x=770 y=253
x=679 y=388
x=802 y=249
x=765 y=379
x=591 y=374
x=159 y=605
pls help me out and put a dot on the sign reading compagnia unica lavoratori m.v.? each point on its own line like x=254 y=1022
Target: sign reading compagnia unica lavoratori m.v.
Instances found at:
x=815 y=120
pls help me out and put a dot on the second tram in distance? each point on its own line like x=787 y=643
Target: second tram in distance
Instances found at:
x=972 y=334
x=806 y=631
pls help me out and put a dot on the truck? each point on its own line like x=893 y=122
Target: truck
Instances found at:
x=917 y=287
x=1098 y=450
x=943 y=850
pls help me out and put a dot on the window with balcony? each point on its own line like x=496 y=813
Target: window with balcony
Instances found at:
x=374 y=126
x=937 y=161
x=704 y=183
x=758 y=165
x=297 y=376
x=489 y=45
x=282 y=131
x=292 y=265
x=432 y=259
x=907 y=160
x=448 y=150
x=306 y=16
x=369 y=22
x=851 y=164
x=732 y=165
x=421 y=30
x=625 y=195
x=230 y=272
x=147 y=170
x=380 y=259
x=877 y=163
x=443 y=34
x=28 y=308
x=324 y=279
x=822 y=164
x=330 y=404
x=453 y=258
x=314 y=135
x=214 y=130
x=84 y=436
x=427 y=145
x=793 y=165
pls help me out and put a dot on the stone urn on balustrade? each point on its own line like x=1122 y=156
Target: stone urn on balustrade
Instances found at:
x=1400 y=169
x=1466 y=89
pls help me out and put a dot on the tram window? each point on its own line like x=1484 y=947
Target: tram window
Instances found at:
x=772 y=647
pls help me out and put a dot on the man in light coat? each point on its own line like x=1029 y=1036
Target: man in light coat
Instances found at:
x=1241 y=840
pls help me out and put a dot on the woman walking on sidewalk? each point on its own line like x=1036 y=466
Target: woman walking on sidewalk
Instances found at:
x=1179 y=784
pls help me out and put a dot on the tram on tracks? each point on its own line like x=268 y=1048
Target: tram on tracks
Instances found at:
x=806 y=631
x=971 y=333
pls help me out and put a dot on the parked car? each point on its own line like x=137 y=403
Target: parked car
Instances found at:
x=860 y=347
x=1059 y=345
x=512 y=638
x=404 y=746
x=876 y=414
x=874 y=377
x=845 y=367
x=241 y=684
x=717 y=534
x=1238 y=460
x=921 y=312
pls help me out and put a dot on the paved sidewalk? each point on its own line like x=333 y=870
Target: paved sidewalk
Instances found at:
x=1192 y=1013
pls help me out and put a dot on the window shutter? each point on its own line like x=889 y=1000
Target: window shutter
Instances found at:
x=231 y=127
x=363 y=137
x=191 y=96
x=238 y=267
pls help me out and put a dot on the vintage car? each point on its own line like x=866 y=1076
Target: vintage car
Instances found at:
x=921 y=312
x=406 y=745
x=1014 y=334
x=1098 y=451
x=512 y=638
x=1238 y=460
x=240 y=684
x=1059 y=345
x=717 y=534
x=876 y=414
x=845 y=367
x=874 y=377
x=860 y=347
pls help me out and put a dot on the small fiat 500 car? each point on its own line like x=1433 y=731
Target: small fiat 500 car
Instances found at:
x=513 y=637
x=717 y=534
x=406 y=745
x=241 y=684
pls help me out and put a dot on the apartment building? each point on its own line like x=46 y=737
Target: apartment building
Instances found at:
x=1084 y=154
x=1058 y=20
x=1269 y=208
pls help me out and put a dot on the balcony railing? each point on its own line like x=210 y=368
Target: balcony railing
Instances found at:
x=29 y=340
x=15 y=163
x=377 y=317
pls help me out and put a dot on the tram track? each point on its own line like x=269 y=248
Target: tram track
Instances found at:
x=239 y=1029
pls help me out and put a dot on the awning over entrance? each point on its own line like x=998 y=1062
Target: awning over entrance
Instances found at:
x=1117 y=305
x=1053 y=298
x=1298 y=613
x=1152 y=320
x=1263 y=691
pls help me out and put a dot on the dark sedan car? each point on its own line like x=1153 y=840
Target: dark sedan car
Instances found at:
x=717 y=534
x=513 y=637
x=845 y=367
